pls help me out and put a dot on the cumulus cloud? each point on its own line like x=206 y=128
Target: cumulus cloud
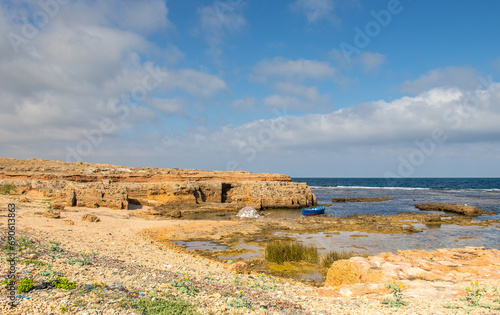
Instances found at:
x=462 y=116
x=87 y=64
x=461 y=77
x=314 y=10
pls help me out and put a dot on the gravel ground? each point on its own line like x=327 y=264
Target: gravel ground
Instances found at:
x=114 y=264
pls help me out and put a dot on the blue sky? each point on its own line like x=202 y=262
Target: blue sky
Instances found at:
x=303 y=87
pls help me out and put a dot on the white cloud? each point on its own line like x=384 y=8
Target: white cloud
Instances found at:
x=244 y=103
x=298 y=69
x=314 y=10
x=461 y=77
x=370 y=62
x=173 y=106
x=82 y=65
x=378 y=126
x=284 y=101
x=219 y=20
x=308 y=94
x=195 y=82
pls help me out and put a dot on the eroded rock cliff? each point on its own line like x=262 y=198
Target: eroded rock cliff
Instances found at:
x=104 y=185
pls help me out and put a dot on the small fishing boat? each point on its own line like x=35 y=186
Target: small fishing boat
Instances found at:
x=313 y=211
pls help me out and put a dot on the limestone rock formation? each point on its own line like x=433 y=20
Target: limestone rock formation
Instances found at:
x=452 y=207
x=104 y=185
x=459 y=264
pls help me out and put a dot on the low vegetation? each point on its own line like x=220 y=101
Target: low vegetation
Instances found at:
x=164 y=305
x=25 y=285
x=475 y=292
x=8 y=189
x=63 y=283
x=397 y=299
x=281 y=251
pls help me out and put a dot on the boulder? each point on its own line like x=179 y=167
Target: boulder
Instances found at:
x=248 y=212
x=238 y=267
x=52 y=214
x=57 y=205
x=175 y=214
x=90 y=218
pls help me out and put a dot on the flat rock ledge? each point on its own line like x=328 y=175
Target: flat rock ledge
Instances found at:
x=452 y=207
x=420 y=271
x=361 y=199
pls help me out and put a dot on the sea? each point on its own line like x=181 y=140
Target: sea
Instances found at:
x=483 y=193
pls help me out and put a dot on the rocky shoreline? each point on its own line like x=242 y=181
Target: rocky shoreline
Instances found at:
x=104 y=185
x=114 y=263
x=124 y=261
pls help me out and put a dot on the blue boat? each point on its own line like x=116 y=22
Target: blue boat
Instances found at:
x=313 y=211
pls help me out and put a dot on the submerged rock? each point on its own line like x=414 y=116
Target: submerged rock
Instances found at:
x=452 y=207
x=361 y=199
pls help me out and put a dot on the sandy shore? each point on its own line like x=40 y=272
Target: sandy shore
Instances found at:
x=128 y=265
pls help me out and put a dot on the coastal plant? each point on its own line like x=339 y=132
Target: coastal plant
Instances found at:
x=25 y=285
x=64 y=310
x=239 y=301
x=495 y=292
x=63 y=283
x=82 y=261
x=281 y=251
x=185 y=286
x=56 y=247
x=22 y=242
x=165 y=305
x=34 y=262
x=262 y=282
x=397 y=300
x=7 y=189
x=10 y=282
x=326 y=260
x=474 y=293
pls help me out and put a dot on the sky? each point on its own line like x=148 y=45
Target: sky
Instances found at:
x=307 y=88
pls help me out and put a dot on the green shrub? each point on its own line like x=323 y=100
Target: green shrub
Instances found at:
x=280 y=251
x=163 y=306
x=9 y=282
x=327 y=259
x=398 y=300
x=63 y=283
x=25 y=285
x=7 y=188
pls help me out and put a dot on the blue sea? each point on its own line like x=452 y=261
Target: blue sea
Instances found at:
x=483 y=193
